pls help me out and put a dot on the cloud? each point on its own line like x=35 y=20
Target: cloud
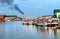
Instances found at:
x=6 y=1
x=39 y=7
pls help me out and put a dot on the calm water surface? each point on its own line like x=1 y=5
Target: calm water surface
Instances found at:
x=15 y=30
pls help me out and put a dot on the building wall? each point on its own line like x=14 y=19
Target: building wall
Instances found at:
x=58 y=14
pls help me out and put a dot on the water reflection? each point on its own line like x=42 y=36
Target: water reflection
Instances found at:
x=40 y=31
x=2 y=30
x=15 y=30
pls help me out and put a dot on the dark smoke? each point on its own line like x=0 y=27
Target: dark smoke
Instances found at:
x=17 y=8
x=9 y=2
x=6 y=1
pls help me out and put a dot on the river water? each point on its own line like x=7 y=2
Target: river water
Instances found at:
x=15 y=30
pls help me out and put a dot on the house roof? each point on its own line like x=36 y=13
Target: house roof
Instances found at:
x=1 y=16
x=56 y=10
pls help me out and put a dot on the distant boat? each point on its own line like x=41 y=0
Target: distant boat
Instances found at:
x=39 y=23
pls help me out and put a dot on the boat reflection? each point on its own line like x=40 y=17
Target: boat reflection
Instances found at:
x=29 y=28
x=44 y=33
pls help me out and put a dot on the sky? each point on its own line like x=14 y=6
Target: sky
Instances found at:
x=31 y=8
